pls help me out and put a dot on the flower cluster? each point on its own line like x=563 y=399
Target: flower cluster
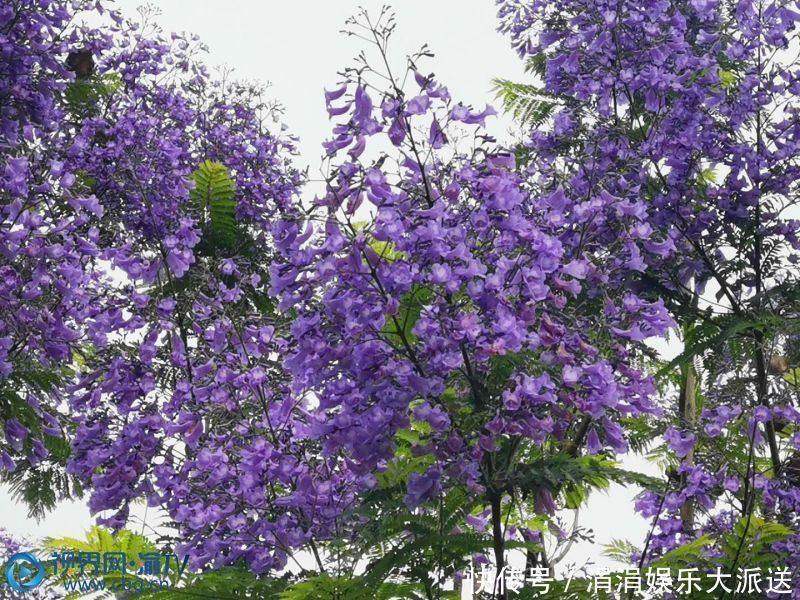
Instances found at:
x=138 y=196
x=693 y=105
x=251 y=362
x=180 y=397
x=48 y=240
x=448 y=287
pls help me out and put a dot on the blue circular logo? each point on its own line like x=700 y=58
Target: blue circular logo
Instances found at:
x=24 y=571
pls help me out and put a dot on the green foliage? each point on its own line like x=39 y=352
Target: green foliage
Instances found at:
x=642 y=431
x=386 y=251
x=526 y=103
x=417 y=543
x=85 y=96
x=326 y=587
x=536 y=65
x=400 y=328
x=404 y=549
x=727 y=79
x=758 y=535
x=405 y=462
x=575 y=476
x=620 y=550
x=220 y=584
x=39 y=486
x=214 y=195
x=712 y=336
x=28 y=377
x=101 y=540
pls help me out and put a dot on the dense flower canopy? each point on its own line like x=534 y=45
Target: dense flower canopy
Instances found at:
x=695 y=105
x=141 y=193
x=463 y=265
x=452 y=289
x=446 y=315
x=46 y=246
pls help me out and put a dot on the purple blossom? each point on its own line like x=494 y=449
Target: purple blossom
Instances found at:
x=681 y=443
x=423 y=487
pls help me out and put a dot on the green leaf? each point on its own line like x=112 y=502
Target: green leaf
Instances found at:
x=688 y=554
x=386 y=250
x=327 y=587
x=755 y=537
x=529 y=104
x=536 y=64
x=730 y=328
x=708 y=176
x=572 y=474
x=227 y=582
x=42 y=485
x=214 y=194
x=411 y=305
x=727 y=79
x=620 y=550
x=85 y=94
x=102 y=540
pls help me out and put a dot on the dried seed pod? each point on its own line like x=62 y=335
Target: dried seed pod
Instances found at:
x=778 y=365
x=81 y=63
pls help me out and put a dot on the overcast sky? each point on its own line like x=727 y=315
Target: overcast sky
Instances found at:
x=297 y=47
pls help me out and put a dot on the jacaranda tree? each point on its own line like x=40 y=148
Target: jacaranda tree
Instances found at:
x=692 y=107
x=362 y=392
x=441 y=289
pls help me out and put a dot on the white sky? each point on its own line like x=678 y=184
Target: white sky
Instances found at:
x=297 y=47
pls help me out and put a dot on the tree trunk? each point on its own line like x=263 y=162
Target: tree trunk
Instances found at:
x=688 y=416
x=496 y=500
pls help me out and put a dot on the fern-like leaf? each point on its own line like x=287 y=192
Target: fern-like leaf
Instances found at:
x=214 y=194
x=528 y=104
x=223 y=583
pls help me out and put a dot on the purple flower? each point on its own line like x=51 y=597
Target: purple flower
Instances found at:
x=397 y=131
x=463 y=114
x=544 y=502
x=335 y=94
x=440 y=273
x=570 y=375
x=436 y=135
x=362 y=115
x=418 y=105
x=681 y=443
x=423 y=487
x=593 y=444
x=6 y=462
x=434 y=416
x=179 y=261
